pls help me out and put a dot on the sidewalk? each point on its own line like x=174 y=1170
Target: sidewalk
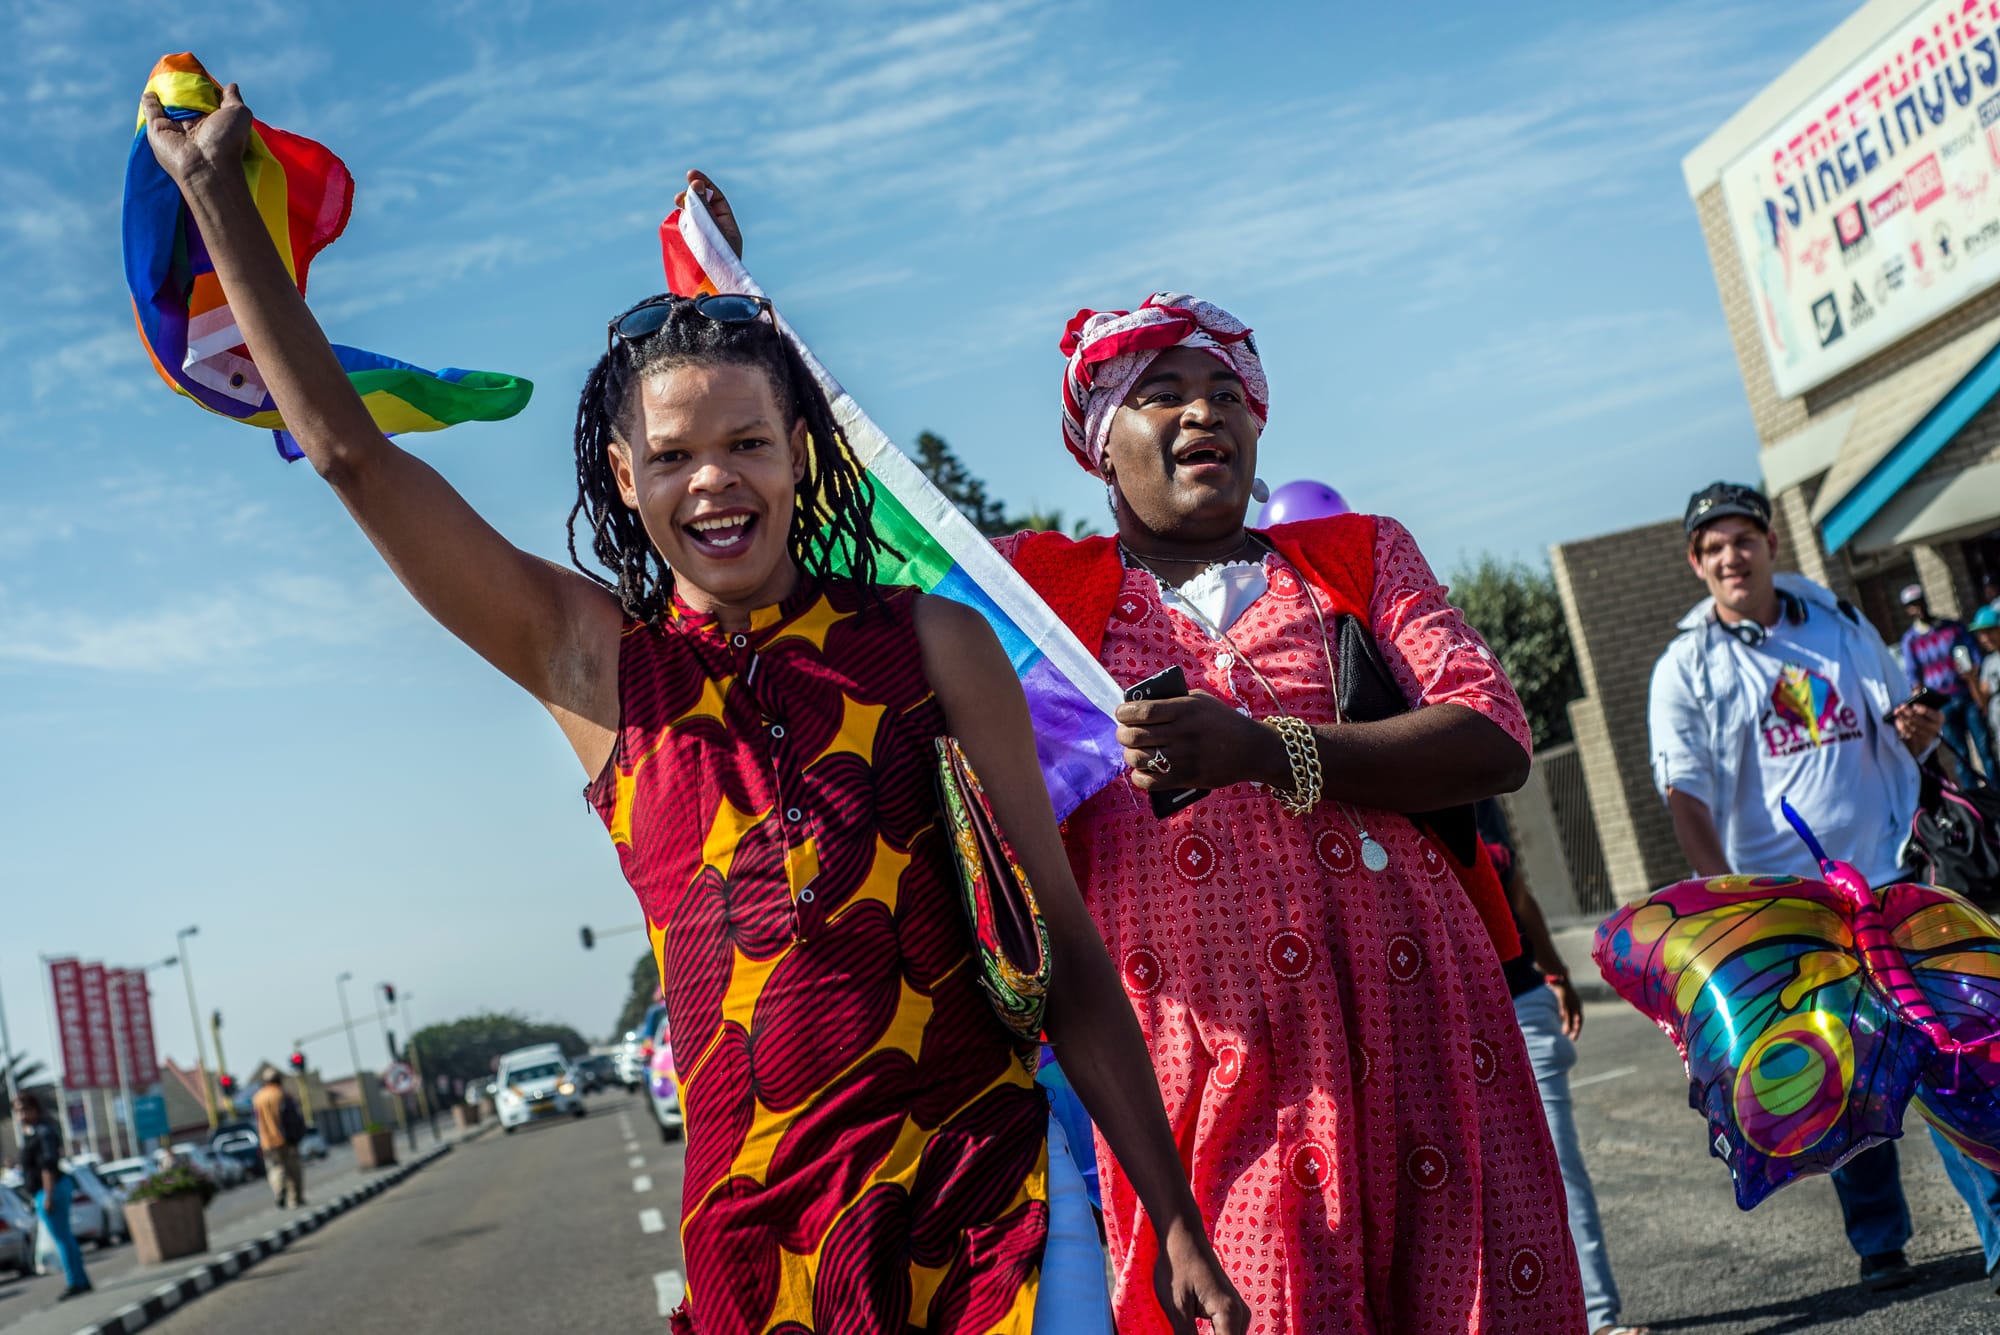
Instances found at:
x=28 y=1306
x=1573 y=939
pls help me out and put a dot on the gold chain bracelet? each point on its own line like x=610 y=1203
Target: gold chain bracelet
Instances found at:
x=1302 y=750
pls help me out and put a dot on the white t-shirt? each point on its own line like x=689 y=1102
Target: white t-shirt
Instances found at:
x=1812 y=745
x=1989 y=677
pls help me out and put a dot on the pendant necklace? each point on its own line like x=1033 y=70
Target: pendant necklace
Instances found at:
x=1373 y=855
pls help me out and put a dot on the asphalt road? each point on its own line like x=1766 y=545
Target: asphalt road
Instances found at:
x=543 y=1230
x=28 y=1304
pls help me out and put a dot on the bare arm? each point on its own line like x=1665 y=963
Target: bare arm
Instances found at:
x=550 y=630
x=1694 y=830
x=1089 y=1019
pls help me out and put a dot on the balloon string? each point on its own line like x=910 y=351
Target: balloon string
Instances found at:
x=1803 y=831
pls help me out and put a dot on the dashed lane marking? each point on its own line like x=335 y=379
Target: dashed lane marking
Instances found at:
x=643 y=1182
x=631 y=1147
x=1613 y=1074
x=671 y=1288
x=636 y=1161
x=651 y=1221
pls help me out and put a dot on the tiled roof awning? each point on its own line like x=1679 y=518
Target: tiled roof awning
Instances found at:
x=1899 y=424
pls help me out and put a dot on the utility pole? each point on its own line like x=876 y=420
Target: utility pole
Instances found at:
x=56 y=1063
x=194 y=1023
x=416 y=1064
x=122 y=1059
x=389 y=1042
x=354 y=1050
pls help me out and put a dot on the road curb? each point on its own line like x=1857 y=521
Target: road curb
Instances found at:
x=209 y=1275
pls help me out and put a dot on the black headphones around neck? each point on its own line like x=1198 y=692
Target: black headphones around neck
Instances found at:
x=1754 y=633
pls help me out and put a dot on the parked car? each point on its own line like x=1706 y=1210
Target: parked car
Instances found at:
x=535 y=1084
x=223 y=1169
x=239 y=1141
x=17 y=1232
x=662 y=1086
x=121 y=1175
x=96 y=1210
x=314 y=1144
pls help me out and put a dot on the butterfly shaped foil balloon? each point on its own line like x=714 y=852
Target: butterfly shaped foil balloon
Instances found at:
x=1812 y=1014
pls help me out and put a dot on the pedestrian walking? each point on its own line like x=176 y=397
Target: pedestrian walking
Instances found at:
x=1777 y=689
x=760 y=721
x=42 y=1173
x=1985 y=683
x=1939 y=654
x=280 y=1128
x=1550 y=1014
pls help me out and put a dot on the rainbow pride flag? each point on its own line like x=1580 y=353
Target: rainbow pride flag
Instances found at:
x=1070 y=695
x=304 y=194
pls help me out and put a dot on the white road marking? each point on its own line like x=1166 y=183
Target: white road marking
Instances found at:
x=631 y=1147
x=671 y=1288
x=643 y=1182
x=1598 y=1079
x=650 y=1221
x=636 y=1161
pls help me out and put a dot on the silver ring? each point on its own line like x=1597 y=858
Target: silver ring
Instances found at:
x=1159 y=764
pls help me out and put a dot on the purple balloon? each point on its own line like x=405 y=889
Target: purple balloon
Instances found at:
x=1301 y=500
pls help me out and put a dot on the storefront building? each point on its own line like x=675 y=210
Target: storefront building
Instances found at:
x=1852 y=216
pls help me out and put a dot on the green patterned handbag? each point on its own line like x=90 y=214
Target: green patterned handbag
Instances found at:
x=1008 y=934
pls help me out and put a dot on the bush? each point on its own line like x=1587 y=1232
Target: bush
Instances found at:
x=180 y=1180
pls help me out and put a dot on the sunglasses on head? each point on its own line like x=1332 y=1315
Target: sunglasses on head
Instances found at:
x=649 y=316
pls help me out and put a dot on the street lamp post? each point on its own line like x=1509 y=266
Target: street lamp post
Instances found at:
x=354 y=1050
x=194 y=1021
x=6 y=1054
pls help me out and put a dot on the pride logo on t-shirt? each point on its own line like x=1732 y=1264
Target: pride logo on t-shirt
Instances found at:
x=1807 y=712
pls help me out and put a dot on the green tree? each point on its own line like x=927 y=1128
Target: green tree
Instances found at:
x=1516 y=607
x=1054 y=521
x=960 y=486
x=465 y=1049
x=644 y=991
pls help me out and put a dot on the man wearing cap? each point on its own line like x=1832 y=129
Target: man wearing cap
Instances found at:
x=1938 y=653
x=1777 y=689
x=1985 y=682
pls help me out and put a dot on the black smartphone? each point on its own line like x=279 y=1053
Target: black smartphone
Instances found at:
x=1926 y=697
x=1164 y=686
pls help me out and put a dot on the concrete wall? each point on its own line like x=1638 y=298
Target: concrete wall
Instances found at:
x=1623 y=594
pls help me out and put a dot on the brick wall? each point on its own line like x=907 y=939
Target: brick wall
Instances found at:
x=1623 y=594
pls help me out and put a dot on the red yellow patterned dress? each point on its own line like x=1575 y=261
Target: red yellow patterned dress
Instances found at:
x=866 y=1149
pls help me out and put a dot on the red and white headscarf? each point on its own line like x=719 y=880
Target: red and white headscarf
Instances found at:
x=1109 y=350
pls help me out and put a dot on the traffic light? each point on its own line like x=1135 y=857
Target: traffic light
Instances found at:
x=589 y=937
x=389 y=993
x=228 y=1083
x=299 y=1062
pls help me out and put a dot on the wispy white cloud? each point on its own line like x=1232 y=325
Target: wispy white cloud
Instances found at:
x=221 y=627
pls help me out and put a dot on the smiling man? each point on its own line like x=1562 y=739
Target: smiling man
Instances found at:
x=1777 y=689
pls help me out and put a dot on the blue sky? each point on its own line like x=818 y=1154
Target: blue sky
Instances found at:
x=1459 y=229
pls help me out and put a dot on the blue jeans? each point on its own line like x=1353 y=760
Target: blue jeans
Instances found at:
x=1074 y=1297
x=1965 y=728
x=1551 y=1054
x=54 y=1211
x=1870 y=1187
x=1981 y=1190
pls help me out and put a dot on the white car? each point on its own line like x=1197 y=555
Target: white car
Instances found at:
x=313 y=1146
x=96 y=1210
x=17 y=1232
x=662 y=1085
x=534 y=1085
x=121 y=1175
x=221 y=1169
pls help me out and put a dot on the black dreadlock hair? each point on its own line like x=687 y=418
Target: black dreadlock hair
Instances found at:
x=831 y=532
